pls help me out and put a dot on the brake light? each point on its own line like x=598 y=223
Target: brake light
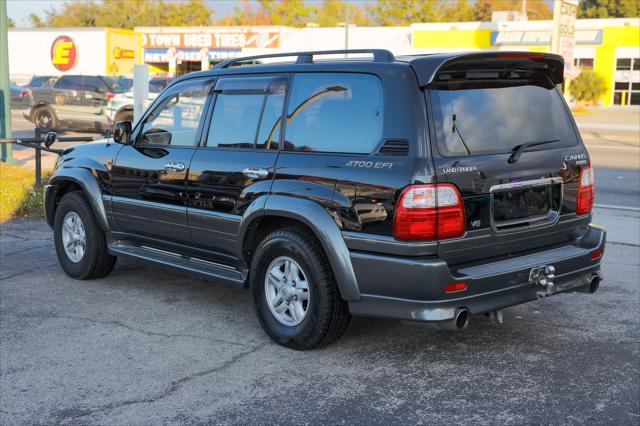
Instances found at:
x=110 y=96
x=520 y=55
x=429 y=212
x=596 y=254
x=586 y=191
x=23 y=94
x=455 y=287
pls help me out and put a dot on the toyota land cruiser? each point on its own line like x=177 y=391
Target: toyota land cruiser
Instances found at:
x=424 y=188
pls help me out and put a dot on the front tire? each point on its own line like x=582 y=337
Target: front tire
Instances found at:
x=295 y=294
x=80 y=243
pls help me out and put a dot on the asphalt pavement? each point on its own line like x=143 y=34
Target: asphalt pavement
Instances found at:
x=150 y=346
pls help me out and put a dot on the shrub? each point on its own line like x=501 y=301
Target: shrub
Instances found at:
x=18 y=197
x=587 y=87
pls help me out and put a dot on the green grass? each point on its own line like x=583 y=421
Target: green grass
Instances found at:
x=18 y=197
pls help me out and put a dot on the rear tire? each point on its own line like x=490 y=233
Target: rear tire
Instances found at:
x=80 y=242
x=326 y=316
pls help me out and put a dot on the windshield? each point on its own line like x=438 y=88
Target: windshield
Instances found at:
x=484 y=116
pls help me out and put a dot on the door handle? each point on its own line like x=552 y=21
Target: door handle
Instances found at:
x=174 y=166
x=255 y=172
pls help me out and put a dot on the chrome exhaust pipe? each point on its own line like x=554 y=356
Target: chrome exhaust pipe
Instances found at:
x=460 y=320
x=594 y=283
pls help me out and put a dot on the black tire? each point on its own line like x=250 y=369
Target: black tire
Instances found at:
x=327 y=314
x=45 y=119
x=96 y=262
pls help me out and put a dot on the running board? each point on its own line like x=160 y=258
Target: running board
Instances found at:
x=201 y=267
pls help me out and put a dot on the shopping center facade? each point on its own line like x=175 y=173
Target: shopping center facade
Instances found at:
x=610 y=47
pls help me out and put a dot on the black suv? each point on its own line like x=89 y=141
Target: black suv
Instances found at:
x=423 y=188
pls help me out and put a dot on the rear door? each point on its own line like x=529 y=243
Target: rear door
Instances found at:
x=515 y=199
x=235 y=162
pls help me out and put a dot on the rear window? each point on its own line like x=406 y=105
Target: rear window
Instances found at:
x=491 y=116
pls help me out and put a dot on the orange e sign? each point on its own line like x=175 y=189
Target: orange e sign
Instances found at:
x=64 y=53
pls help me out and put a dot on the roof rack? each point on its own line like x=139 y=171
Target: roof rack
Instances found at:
x=379 y=55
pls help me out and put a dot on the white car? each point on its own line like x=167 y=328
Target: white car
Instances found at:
x=120 y=107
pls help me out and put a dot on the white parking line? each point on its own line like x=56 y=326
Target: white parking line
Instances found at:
x=614 y=207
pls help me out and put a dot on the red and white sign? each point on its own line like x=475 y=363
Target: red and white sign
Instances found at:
x=212 y=40
x=64 y=53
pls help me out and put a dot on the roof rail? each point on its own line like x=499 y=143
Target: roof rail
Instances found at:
x=379 y=55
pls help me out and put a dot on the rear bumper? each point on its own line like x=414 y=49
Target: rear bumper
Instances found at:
x=412 y=289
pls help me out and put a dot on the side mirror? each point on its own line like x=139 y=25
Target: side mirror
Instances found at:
x=122 y=132
x=50 y=138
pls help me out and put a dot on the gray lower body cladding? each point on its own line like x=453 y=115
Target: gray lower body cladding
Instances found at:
x=413 y=288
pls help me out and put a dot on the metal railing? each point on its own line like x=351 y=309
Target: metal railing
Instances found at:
x=36 y=143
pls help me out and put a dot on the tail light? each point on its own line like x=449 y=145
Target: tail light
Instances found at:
x=586 y=191
x=110 y=95
x=429 y=212
x=23 y=94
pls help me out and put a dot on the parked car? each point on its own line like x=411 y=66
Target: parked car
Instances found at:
x=20 y=96
x=422 y=188
x=74 y=102
x=120 y=107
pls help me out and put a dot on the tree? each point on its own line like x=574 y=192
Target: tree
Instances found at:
x=247 y=15
x=332 y=12
x=35 y=20
x=10 y=23
x=588 y=86
x=536 y=9
x=609 y=9
x=393 y=12
x=127 y=14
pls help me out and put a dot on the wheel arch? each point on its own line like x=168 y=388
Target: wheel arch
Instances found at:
x=72 y=179
x=276 y=211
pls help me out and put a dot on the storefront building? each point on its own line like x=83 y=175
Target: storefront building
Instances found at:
x=86 y=51
x=179 y=50
x=610 y=47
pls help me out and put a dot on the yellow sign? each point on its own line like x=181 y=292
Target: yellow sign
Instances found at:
x=123 y=51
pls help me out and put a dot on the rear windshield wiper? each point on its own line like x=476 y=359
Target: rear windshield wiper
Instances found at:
x=519 y=149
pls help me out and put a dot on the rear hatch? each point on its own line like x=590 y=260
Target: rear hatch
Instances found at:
x=504 y=136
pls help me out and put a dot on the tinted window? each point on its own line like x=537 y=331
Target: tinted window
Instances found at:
x=69 y=82
x=334 y=113
x=94 y=84
x=38 y=81
x=247 y=110
x=489 y=117
x=176 y=119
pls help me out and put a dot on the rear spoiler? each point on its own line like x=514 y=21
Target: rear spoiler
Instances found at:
x=427 y=67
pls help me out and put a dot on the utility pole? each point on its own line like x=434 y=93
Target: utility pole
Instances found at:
x=5 y=95
x=346 y=25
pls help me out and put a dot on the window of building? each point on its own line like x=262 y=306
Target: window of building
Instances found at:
x=583 y=63
x=334 y=113
x=627 y=87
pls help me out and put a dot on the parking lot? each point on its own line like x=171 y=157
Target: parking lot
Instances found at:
x=153 y=346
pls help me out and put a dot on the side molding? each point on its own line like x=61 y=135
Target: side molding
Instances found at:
x=89 y=184
x=320 y=221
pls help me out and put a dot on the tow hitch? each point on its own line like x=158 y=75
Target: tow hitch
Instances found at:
x=543 y=276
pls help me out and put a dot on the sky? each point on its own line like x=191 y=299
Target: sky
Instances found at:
x=19 y=10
